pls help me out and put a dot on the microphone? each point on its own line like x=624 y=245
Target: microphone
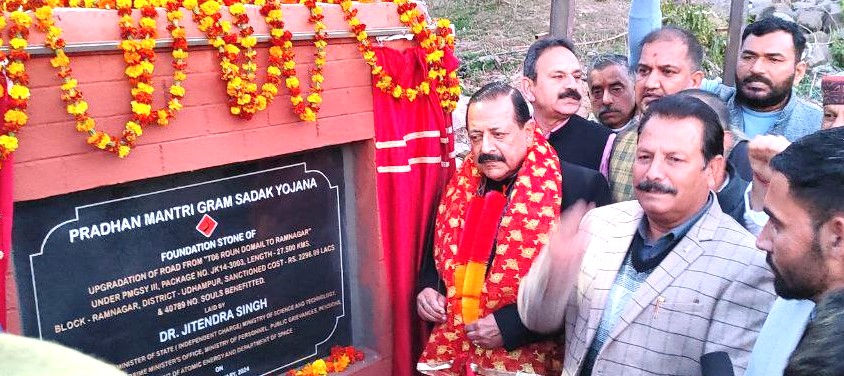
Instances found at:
x=716 y=364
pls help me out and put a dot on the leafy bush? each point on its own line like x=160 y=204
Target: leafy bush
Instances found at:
x=703 y=23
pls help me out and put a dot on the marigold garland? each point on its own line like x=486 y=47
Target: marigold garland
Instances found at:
x=340 y=359
x=237 y=55
x=16 y=117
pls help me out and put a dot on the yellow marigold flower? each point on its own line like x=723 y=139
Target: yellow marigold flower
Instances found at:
x=141 y=3
x=172 y=16
x=454 y=90
x=61 y=60
x=237 y=8
x=128 y=45
x=249 y=41
x=308 y=115
x=226 y=26
x=90 y=4
x=443 y=23
x=274 y=15
x=162 y=118
x=260 y=3
x=145 y=88
x=244 y=99
x=404 y=18
x=315 y=98
x=289 y=65
x=124 y=3
x=321 y=44
x=218 y=42
x=316 y=11
x=77 y=108
x=277 y=33
x=21 y=18
x=210 y=7
x=19 y=92
x=369 y=56
x=417 y=28
x=180 y=76
x=42 y=13
x=135 y=128
x=180 y=54
x=3 y=22
x=134 y=71
x=397 y=92
x=362 y=36
x=178 y=33
x=147 y=66
x=54 y=31
x=74 y=3
x=260 y=103
x=288 y=44
x=232 y=49
x=18 y=43
x=148 y=43
x=235 y=110
x=425 y=88
x=16 y=67
x=435 y=56
x=174 y=105
x=104 y=141
x=141 y=108
x=10 y=143
x=318 y=78
x=177 y=90
x=273 y=71
x=319 y=61
x=296 y=100
x=354 y=22
x=269 y=89
x=411 y=94
x=69 y=84
x=85 y=125
x=123 y=151
x=147 y=23
x=189 y=4
x=292 y=82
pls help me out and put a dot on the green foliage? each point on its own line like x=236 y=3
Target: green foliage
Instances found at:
x=702 y=22
x=836 y=47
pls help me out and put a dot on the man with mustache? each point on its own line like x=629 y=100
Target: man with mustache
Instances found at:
x=611 y=91
x=769 y=65
x=663 y=280
x=508 y=156
x=803 y=238
x=552 y=75
x=670 y=62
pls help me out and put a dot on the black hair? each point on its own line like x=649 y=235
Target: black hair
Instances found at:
x=715 y=103
x=494 y=90
x=814 y=167
x=821 y=351
x=769 y=25
x=694 y=50
x=536 y=50
x=681 y=106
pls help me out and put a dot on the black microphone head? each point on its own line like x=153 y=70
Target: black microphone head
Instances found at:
x=716 y=363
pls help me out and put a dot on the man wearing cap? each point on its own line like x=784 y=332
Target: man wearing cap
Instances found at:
x=833 y=101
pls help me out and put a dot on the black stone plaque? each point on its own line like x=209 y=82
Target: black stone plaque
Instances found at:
x=235 y=270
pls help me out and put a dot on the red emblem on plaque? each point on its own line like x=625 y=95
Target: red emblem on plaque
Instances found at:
x=206 y=225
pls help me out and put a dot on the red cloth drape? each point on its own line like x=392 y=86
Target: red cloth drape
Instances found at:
x=414 y=159
x=6 y=205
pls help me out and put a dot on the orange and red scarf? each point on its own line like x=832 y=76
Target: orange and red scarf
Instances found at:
x=534 y=204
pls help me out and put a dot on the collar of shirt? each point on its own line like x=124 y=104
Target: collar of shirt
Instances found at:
x=647 y=254
x=562 y=124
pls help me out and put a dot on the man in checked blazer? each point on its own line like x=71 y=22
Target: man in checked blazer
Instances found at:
x=664 y=279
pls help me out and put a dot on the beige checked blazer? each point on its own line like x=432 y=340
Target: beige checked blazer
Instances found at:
x=711 y=293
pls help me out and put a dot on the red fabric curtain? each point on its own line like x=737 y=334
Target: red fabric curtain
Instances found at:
x=414 y=159
x=6 y=206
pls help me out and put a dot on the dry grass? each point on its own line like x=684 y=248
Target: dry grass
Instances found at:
x=493 y=35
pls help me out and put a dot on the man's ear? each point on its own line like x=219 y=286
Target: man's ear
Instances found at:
x=834 y=236
x=527 y=89
x=799 y=72
x=714 y=169
x=529 y=128
x=697 y=79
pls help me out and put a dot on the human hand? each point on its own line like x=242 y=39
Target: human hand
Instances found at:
x=430 y=305
x=760 y=151
x=485 y=333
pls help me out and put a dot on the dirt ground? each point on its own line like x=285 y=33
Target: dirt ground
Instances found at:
x=493 y=35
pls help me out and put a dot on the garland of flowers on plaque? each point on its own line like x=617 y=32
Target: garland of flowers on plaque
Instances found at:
x=434 y=44
x=239 y=73
x=339 y=359
x=15 y=116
